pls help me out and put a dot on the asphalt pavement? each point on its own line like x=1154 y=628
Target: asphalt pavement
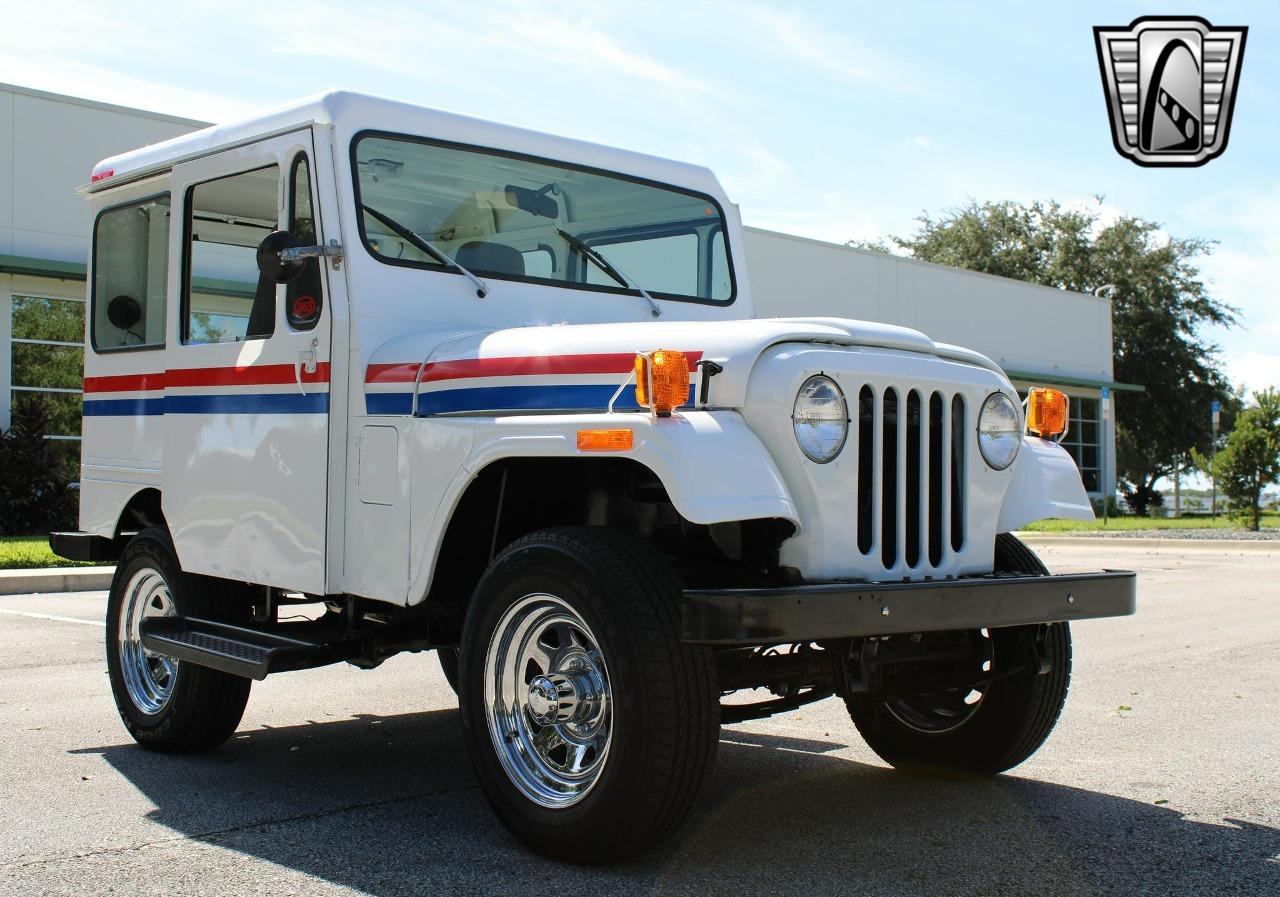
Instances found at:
x=1162 y=778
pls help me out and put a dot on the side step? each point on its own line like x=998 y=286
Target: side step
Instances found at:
x=252 y=653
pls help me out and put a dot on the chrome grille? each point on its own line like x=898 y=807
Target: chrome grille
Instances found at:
x=911 y=474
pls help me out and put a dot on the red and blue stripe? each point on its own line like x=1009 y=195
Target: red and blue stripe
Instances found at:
x=236 y=390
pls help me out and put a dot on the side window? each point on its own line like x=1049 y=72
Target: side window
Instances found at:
x=721 y=284
x=130 y=261
x=304 y=295
x=225 y=299
x=667 y=264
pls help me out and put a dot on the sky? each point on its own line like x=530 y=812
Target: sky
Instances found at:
x=837 y=121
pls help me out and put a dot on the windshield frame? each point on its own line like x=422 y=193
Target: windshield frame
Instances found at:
x=588 y=237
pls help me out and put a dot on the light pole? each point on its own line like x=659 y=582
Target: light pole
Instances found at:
x=1106 y=291
x=1213 y=450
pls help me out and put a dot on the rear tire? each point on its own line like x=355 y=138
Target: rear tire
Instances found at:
x=589 y=723
x=931 y=734
x=166 y=704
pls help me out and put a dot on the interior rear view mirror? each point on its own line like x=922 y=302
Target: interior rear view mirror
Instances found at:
x=270 y=265
x=535 y=202
x=124 y=312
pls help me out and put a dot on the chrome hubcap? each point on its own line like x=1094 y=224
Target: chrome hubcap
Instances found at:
x=148 y=677
x=547 y=700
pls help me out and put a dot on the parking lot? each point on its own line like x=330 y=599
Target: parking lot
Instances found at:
x=1163 y=776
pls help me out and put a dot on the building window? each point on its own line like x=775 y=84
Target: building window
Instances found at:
x=1083 y=440
x=48 y=360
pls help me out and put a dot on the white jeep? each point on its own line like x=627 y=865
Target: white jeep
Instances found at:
x=423 y=382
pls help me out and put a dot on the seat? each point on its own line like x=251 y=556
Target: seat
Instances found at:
x=491 y=258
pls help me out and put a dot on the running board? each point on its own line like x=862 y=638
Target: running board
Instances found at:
x=252 y=653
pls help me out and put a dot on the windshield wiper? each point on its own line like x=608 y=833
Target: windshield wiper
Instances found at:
x=482 y=288
x=604 y=265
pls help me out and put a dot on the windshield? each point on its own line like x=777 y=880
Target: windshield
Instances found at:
x=512 y=217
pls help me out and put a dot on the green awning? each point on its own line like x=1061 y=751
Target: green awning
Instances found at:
x=36 y=267
x=30 y=266
x=1064 y=380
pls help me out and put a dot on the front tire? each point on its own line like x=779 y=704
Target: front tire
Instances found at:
x=589 y=723
x=167 y=704
x=949 y=733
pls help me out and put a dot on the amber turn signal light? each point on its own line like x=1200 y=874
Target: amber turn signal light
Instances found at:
x=605 y=440
x=662 y=381
x=1046 y=412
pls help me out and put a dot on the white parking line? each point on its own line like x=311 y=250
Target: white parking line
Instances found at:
x=23 y=613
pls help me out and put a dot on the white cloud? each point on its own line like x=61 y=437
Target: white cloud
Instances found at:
x=834 y=54
x=1242 y=271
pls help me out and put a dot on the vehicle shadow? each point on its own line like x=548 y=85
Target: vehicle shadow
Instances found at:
x=388 y=806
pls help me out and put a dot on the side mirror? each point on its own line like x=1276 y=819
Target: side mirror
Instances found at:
x=270 y=265
x=124 y=312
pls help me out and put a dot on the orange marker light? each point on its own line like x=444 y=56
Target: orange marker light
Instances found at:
x=1046 y=412
x=605 y=440
x=662 y=381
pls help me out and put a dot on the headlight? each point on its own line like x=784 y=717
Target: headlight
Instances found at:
x=820 y=419
x=999 y=431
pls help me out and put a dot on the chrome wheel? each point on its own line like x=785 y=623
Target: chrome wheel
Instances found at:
x=548 y=701
x=148 y=677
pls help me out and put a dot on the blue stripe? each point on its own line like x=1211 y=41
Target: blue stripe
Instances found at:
x=122 y=407
x=263 y=403
x=528 y=398
x=388 y=402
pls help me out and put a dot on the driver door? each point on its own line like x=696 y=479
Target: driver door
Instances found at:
x=246 y=399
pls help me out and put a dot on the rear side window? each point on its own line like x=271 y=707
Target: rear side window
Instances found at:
x=130 y=264
x=227 y=300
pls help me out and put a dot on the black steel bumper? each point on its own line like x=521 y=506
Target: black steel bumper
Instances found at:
x=83 y=547
x=847 y=610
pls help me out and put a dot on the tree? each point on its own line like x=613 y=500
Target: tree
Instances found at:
x=1159 y=305
x=1250 y=461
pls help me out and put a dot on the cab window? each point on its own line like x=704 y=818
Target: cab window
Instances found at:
x=225 y=299
x=130 y=261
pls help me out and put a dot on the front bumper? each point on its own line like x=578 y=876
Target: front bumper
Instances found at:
x=848 y=610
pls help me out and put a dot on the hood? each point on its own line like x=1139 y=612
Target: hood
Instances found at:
x=577 y=366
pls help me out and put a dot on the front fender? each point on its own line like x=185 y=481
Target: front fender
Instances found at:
x=713 y=466
x=1046 y=483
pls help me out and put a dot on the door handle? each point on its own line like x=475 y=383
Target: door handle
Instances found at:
x=306 y=363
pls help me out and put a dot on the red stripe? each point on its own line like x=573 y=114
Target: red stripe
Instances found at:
x=391 y=373
x=124 y=383
x=617 y=363
x=247 y=375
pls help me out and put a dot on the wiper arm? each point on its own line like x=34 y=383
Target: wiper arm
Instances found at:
x=604 y=265
x=482 y=288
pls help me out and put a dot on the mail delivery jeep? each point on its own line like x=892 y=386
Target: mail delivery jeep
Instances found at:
x=364 y=378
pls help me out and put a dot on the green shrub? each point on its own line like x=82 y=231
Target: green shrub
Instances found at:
x=35 y=474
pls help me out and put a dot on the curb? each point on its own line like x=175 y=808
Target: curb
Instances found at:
x=55 y=579
x=1180 y=546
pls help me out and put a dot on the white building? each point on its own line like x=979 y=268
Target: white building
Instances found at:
x=49 y=144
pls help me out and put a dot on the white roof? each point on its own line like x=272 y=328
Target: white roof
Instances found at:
x=350 y=112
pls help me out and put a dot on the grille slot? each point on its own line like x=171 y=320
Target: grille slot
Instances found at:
x=910 y=469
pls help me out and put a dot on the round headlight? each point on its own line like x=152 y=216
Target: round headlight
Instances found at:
x=999 y=431
x=820 y=419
